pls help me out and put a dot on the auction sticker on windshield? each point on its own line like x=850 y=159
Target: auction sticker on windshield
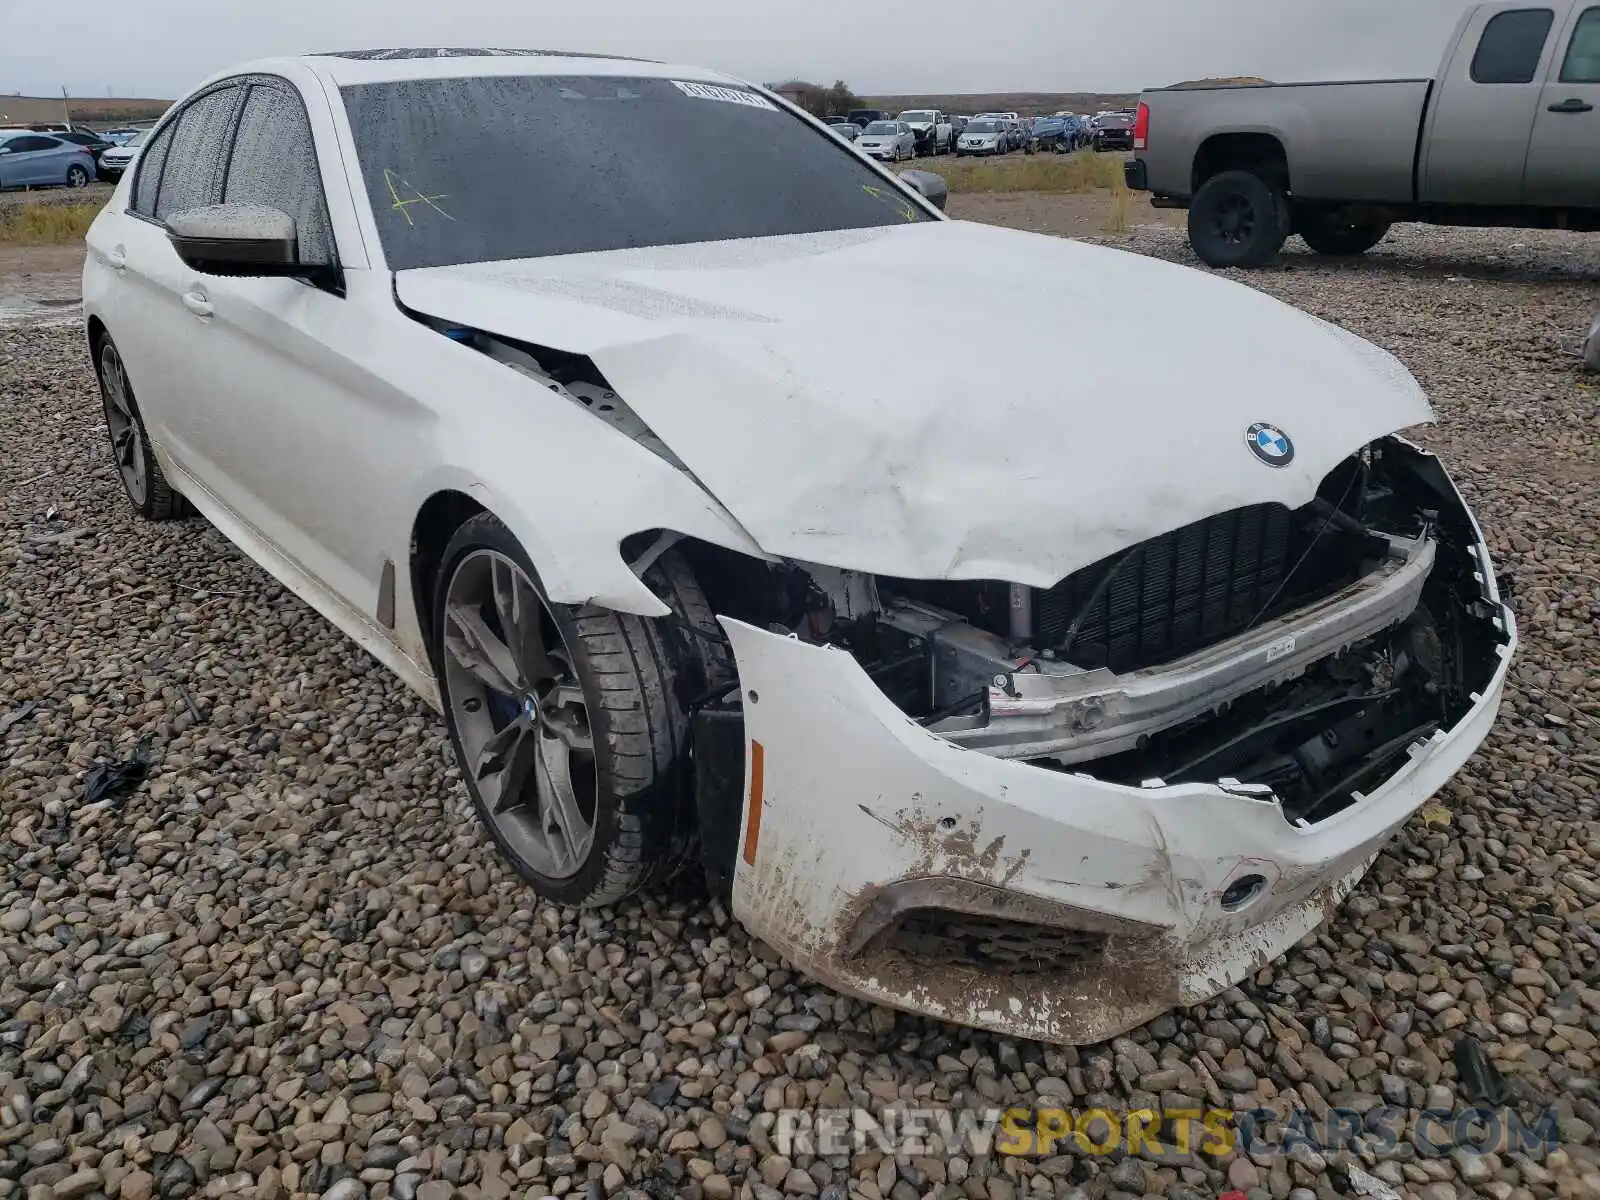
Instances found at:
x=710 y=91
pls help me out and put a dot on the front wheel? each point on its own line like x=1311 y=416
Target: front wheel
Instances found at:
x=77 y=176
x=1237 y=219
x=1330 y=235
x=570 y=722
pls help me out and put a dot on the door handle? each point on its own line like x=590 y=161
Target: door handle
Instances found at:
x=197 y=303
x=118 y=258
x=1572 y=105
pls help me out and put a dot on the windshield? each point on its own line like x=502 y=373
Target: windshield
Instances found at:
x=982 y=127
x=918 y=116
x=881 y=129
x=500 y=167
x=138 y=139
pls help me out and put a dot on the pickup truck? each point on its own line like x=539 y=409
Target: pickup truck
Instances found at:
x=933 y=130
x=1506 y=133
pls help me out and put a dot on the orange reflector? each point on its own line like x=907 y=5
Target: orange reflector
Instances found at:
x=752 y=816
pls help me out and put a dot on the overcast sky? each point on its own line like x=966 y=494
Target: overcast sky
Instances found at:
x=162 y=47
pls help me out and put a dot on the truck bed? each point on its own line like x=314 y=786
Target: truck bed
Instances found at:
x=1365 y=134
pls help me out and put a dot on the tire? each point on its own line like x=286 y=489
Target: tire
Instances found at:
x=638 y=678
x=77 y=176
x=1329 y=235
x=147 y=489
x=1237 y=219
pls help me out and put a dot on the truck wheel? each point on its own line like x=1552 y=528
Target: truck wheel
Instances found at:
x=1237 y=219
x=1330 y=235
x=571 y=722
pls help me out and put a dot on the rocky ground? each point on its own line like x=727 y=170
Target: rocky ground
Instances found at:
x=288 y=964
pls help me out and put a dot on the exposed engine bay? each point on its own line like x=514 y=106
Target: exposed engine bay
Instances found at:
x=1298 y=652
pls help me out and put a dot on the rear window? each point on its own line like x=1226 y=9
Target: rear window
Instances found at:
x=502 y=167
x=1512 y=42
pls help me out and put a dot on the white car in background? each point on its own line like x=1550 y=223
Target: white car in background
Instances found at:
x=890 y=141
x=1034 y=694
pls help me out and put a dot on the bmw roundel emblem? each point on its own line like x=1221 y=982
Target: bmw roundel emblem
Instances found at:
x=1270 y=444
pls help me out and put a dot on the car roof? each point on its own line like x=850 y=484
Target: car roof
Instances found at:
x=345 y=67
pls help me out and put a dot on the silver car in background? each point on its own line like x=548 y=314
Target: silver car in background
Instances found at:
x=891 y=141
x=848 y=130
x=115 y=161
x=983 y=135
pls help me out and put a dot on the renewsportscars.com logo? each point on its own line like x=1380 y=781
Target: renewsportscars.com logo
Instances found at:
x=1169 y=1134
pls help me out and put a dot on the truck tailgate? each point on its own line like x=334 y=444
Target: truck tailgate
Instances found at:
x=1343 y=141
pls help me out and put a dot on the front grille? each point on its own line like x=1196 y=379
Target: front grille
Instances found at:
x=941 y=937
x=1171 y=595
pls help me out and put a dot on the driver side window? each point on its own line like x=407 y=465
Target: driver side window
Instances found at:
x=274 y=163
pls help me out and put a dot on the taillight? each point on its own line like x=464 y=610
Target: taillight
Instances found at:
x=1141 y=125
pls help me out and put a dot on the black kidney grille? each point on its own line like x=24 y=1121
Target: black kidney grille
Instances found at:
x=1171 y=595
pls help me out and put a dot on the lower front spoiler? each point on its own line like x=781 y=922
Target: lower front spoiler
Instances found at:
x=893 y=865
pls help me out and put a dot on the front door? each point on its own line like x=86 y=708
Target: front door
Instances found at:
x=290 y=427
x=1564 y=155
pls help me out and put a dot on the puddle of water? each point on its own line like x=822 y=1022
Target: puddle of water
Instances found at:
x=28 y=310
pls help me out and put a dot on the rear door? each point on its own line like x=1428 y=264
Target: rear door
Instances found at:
x=1564 y=154
x=1483 y=107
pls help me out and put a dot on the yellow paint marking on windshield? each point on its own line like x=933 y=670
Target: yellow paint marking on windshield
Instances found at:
x=906 y=211
x=402 y=205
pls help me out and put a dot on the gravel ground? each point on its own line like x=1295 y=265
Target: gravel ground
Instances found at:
x=289 y=965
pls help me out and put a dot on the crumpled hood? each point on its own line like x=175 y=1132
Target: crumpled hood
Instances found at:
x=948 y=399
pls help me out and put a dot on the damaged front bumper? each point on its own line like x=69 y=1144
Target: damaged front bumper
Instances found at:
x=862 y=824
x=1031 y=897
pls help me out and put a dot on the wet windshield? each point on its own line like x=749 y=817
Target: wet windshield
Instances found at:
x=499 y=167
x=881 y=129
x=982 y=127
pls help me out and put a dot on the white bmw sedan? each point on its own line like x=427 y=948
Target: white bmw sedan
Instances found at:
x=1039 y=693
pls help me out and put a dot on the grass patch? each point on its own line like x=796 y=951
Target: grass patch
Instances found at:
x=47 y=224
x=1119 y=212
x=1084 y=171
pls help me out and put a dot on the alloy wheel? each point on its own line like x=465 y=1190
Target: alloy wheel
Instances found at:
x=519 y=711
x=127 y=440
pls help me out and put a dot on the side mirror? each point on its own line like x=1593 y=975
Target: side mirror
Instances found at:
x=237 y=239
x=933 y=187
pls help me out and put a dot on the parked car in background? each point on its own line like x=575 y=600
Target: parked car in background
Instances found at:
x=845 y=129
x=114 y=162
x=862 y=117
x=93 y=142
x=119 y=137
x=1506 y=133
x=1050 y=133
x=1113 y=131
x=891 y=141
x=983 y=135
x=43 y=160
x=1037 y=716
x=931 y=128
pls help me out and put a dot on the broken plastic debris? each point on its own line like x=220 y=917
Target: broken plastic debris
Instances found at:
x=115 y=781
x=19 y=715
x=1362 y=1184
x=1480 y=1080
